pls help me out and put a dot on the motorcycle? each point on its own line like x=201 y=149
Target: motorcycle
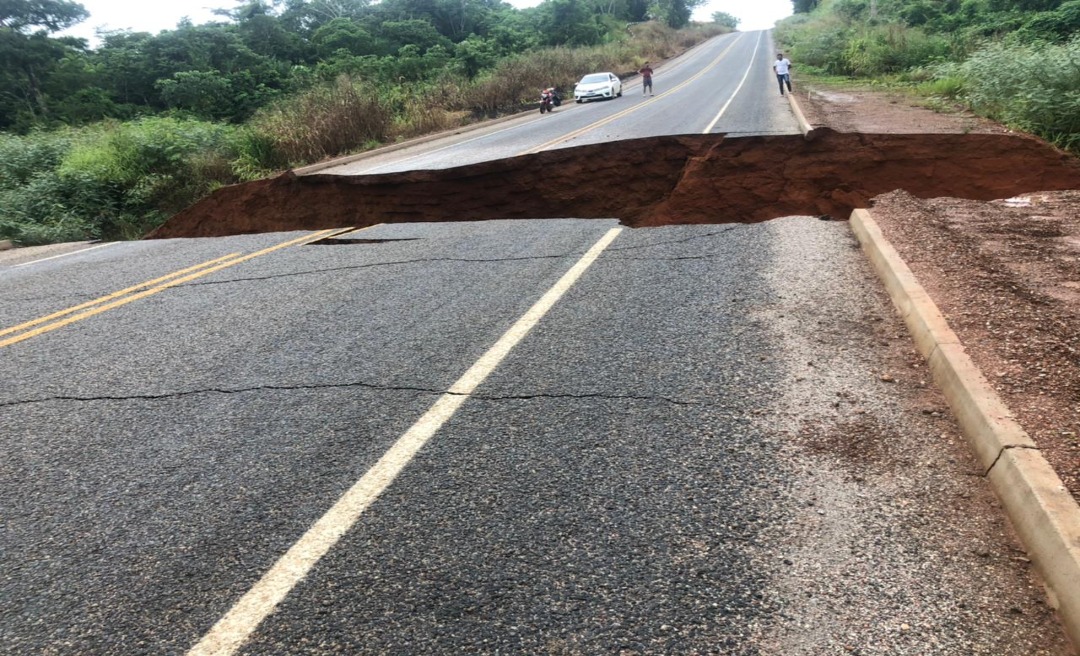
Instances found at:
x=549 y=100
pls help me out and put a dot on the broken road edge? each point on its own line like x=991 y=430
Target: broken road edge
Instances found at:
x=1044 y=514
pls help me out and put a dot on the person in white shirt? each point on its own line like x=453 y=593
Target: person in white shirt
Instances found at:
x=783 y=71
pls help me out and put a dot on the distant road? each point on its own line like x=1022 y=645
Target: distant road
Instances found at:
x=724 y=85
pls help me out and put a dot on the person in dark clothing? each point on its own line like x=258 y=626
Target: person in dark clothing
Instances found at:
x=646 y=79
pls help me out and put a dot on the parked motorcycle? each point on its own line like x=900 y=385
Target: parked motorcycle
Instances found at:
x=549 y=100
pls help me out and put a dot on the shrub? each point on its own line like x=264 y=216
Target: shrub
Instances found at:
x=949 y=87
x=22 y=157
x=34 y=202
x=1035 y=88
x=324 y=121
x=885 y=49
x=113 y=180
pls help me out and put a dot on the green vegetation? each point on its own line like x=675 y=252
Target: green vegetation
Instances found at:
x=110 y=141
x=1015 y=61
x=113 y=180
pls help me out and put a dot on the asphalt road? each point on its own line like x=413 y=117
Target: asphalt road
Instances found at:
x=725 y=85
x=413 y=446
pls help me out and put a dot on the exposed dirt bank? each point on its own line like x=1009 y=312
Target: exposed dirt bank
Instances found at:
x=648 y=182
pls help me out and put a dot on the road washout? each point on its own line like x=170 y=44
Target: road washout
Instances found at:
x=654 y=181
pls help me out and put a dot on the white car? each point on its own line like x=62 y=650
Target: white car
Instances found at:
x=598 y=85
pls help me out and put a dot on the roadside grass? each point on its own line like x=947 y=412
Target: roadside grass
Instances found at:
x=111 y=180
x=1028 y=84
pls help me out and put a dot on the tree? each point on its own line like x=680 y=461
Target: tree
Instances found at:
x=475 y=54
x=201 y=92
x=725 y=19
x=803 y=6
x=412 y=32
x=343 y=34
x=27 y=58
x=49 y=15
x=303 y=17
x=675 y=13
x=569 y=23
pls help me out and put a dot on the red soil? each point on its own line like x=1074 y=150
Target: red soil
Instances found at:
x=649 y=182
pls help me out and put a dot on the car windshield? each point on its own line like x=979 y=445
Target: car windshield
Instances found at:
x=594 y=78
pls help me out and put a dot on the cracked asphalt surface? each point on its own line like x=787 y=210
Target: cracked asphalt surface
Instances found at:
x=693 y=452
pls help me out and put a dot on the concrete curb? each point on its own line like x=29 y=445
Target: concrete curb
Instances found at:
x=804 y=125
x=1041 y=509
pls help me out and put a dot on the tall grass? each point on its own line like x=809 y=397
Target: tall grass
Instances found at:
x=1035 y=88
x=110 y=181
x=324 y=121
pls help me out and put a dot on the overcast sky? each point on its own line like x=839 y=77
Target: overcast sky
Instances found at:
x=156 y=15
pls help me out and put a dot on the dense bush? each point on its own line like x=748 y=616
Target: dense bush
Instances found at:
x=834 y=46
x=1016 y=61
x=322 y=122
x=1035 y=88
x=34 y=205
x=113 y=180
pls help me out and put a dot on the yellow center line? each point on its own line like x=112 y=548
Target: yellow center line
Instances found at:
x=630 y=110
x=162 y=287
x=109 y=297
x=347 y=232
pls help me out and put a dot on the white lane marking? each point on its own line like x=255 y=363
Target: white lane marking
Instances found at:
x=741 y=83
x=53 y=257
x=244 y=617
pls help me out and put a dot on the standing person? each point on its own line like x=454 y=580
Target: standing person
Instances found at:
x=646 y=79
x=783 y=71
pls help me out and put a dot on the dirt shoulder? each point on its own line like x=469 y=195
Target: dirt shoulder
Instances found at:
x=1005 y=273
x=885 y=112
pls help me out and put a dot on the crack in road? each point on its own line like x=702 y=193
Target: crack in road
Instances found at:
x=588 y=395
x=373 y=386
x=668 y=259
x=378 y=264
x=370 y=265
x=674 y=241
x=215 y=390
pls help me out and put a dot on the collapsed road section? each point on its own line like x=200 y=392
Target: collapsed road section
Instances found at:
x=690 y=179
